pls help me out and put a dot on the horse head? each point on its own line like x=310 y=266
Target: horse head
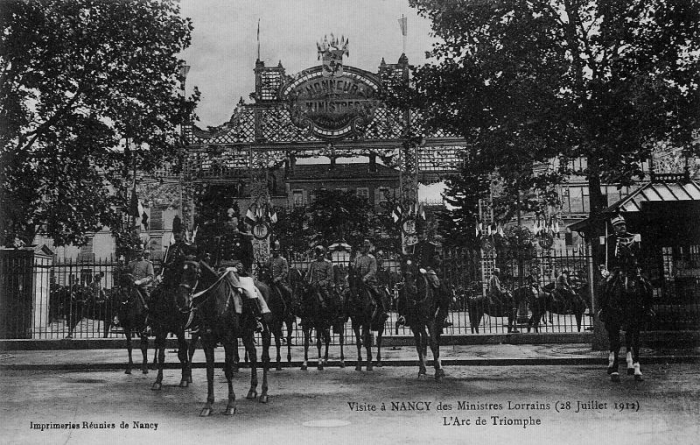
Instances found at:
x=189 y=278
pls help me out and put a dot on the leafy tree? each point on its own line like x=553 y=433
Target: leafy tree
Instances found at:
x=90 y=92
x=336 y=215
x=526 y=82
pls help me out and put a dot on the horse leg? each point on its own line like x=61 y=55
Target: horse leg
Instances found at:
x=208 y=345
x=433 y=338
x=635 y=353
x=341 y=337
x=367 y=339
x=289 y=324
x=144 y=353
x=319 y=335
x=278 y=344
x=380 y=332
x=183 y=355
x=418 y=338
x=127 y=334
x=307 y=340
x=265 y=358
x=327 y=340
x=160 y=350
x=252 y=354
x=358 y=342
x=230 y=345
x=614 y=340
x=194 y=338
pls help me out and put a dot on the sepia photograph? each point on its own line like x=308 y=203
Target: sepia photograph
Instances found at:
x=349 y=221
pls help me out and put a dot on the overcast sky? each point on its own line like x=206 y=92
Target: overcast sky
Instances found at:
x=224 y=45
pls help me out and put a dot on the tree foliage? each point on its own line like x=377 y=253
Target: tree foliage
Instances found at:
x=527 y=82
x=90 y=91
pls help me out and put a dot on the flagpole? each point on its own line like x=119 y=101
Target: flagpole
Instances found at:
x=258 y=37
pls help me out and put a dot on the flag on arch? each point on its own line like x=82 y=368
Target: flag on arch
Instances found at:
x=403 y=23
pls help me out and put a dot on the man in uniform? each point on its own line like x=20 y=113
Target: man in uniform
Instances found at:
x=495 y=289
x=562 y=289
x=425 y=255
x=142 y=271
x=366 y=267
x=280 y=270
x=321 y=278
x=175 y=256
x=623 y=251
x=235 y=250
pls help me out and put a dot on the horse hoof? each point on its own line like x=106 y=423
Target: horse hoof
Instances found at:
x=611 y=370
x=615 y=377
x=320 y=366
x=230 y=410
x=342 y=364
x=144 y=371
x=358 y=368
x=279 y=367
x=264 y=399
x=189 y=379
x=128 y=371
x=252 y=395
x=638 y=378
x=157 y=386
x=304 y=367
x=206 y=412
x=370 y=368
x=184 y=383
x=439 y=375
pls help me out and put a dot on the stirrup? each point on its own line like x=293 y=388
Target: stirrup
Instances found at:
x=259 y=326
x=401 y=321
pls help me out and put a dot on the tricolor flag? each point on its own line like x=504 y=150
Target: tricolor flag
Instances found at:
x=396 y=214
x=250 y=217
x=403 y=23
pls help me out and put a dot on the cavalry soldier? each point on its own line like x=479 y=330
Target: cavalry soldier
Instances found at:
x=562 y=288
x=425 y=255
x=142 y=271
x=321 y=277
x=623 y=251
x=495 y=290
x=234 y=248
x=366 y=267
x=174 y=257
x=280 y=270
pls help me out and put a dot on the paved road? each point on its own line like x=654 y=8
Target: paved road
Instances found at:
x=561 y=404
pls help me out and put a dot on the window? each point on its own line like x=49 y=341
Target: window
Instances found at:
x=298 y=197
x=382 y=194
x=363 y=192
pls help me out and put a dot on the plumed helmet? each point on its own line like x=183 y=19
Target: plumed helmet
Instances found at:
x=617 y=220
x=319 y=250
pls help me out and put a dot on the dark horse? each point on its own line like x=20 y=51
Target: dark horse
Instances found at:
x=366 y=316
x=421 y=312
x=626 y=302
x=546 y=301
x=282 y=308
x=169 y=313
x=132 y=314
x=321 y=318
x=84 y=304
x=504 y=306
x=218 y=321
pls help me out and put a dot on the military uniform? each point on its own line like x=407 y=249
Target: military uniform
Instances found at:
x=426 y=257
x=366 y=268
x=320 y=276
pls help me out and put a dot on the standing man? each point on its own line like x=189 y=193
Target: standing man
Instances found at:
x=320 y=277
x=366 y=267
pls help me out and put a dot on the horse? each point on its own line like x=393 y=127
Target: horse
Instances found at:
x=132 y=314
x=366 y=316
x=573 y=302
x=168 y=313
x=505 y=305
x=84 y=304
x=626 y=304
x=421 y=312
x=280 y=304
x=321 y=318
x=217 y=319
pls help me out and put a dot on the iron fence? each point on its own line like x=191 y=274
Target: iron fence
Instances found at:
x=34 y=290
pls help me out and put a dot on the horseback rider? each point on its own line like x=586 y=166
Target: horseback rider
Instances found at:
x=495 y=290
x=366 y=267
x=142 y=271
x=174 y=257
x=562 y=289
x=279 y=269
x=426 y=257
x=98 y=292
x=234 y=249
x=321 y=277
x=629 y=308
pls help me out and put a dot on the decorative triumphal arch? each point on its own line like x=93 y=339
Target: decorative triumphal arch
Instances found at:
x=330 y=110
